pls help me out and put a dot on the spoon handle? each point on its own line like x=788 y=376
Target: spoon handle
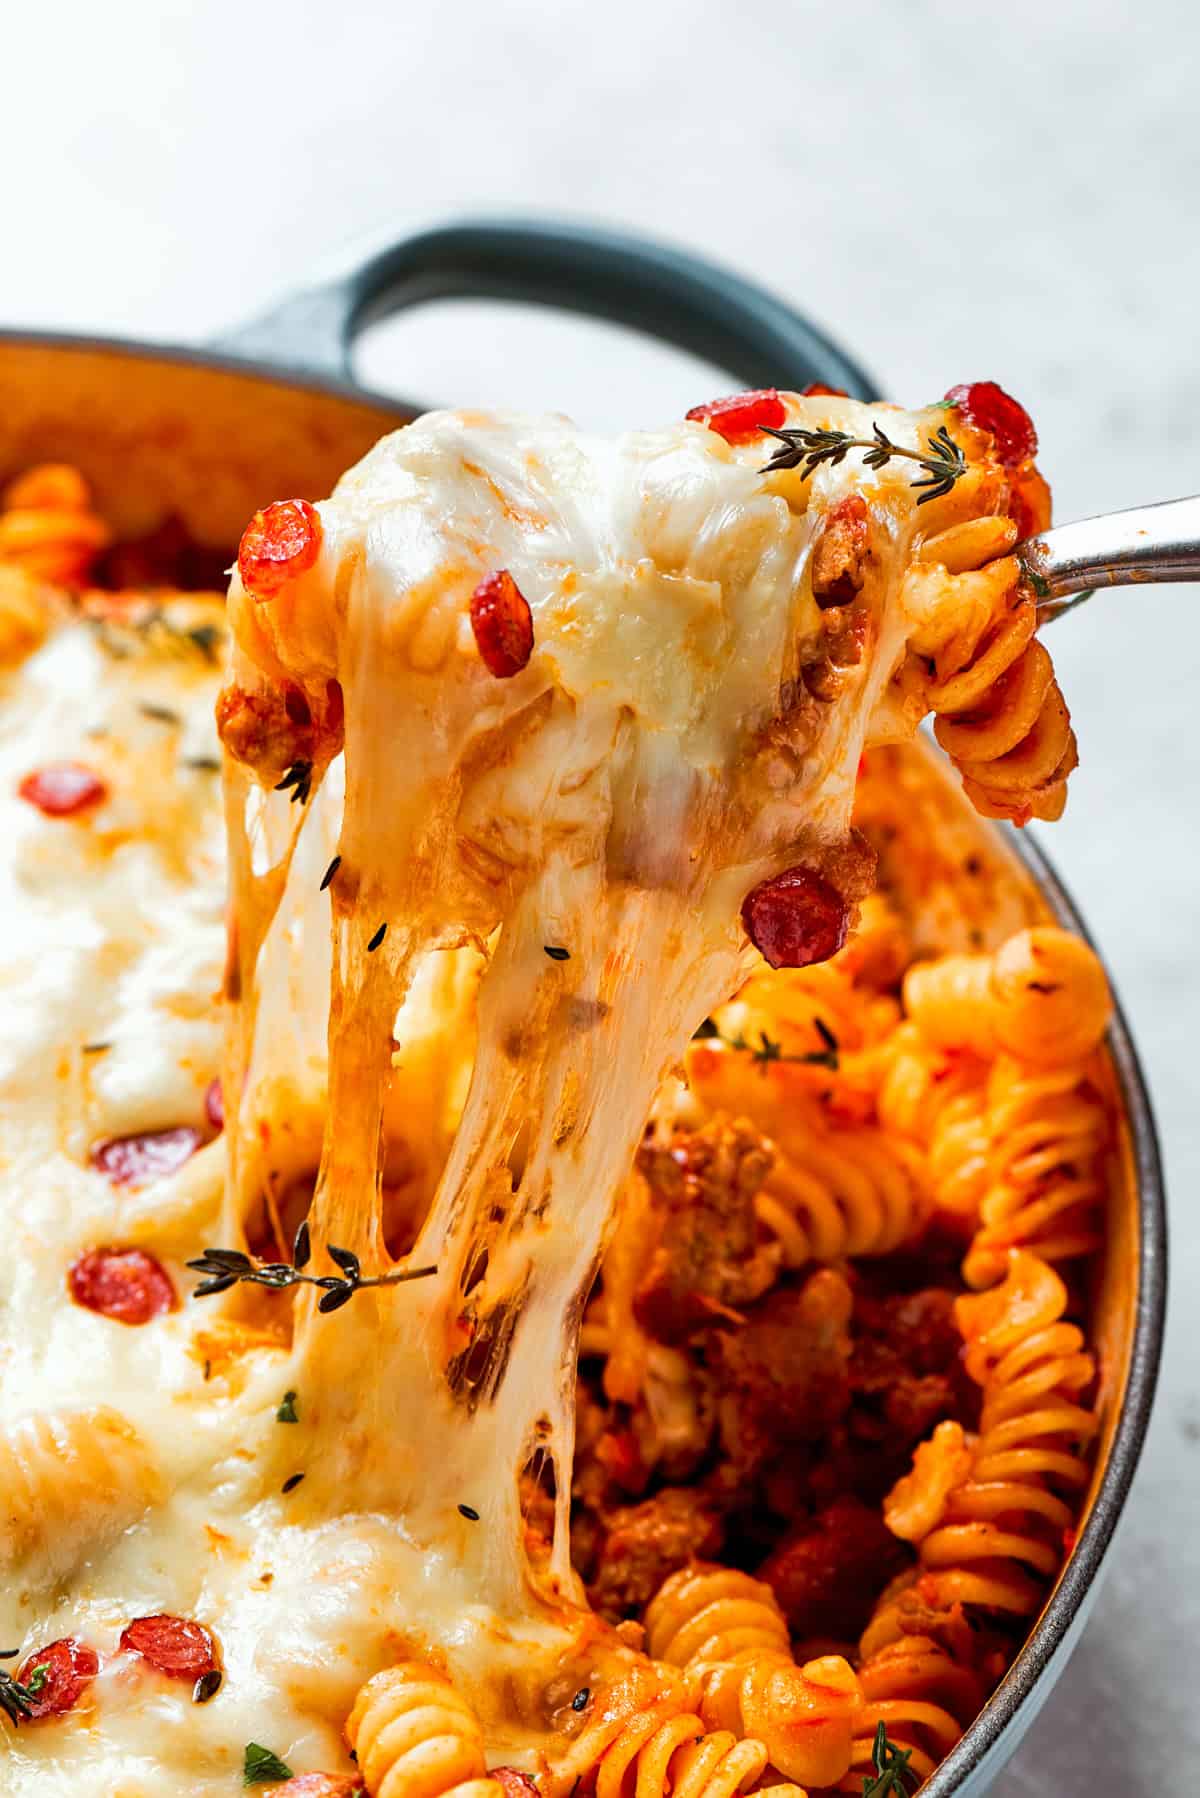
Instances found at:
x=1119 y=549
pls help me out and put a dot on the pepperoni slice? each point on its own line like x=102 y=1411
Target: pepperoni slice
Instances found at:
x=516 y=1784
x=61 y=789
x=328 y=1785
x=989 y=408
x=132 y=1160
x=214 y=1105
x=741 y=415
x=795 y=919
x=127 y=1285
x=57 y=1675
x=178 y=1647
x=503 y=624
x=280 y=542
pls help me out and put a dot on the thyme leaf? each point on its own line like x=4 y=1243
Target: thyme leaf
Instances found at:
x=287 y=1409
x=942 y=459
x=223 y=1268
x=261 y=1763
x=891 y=1768
x=767 y=1049
x=16 y=1700
x=299 y=778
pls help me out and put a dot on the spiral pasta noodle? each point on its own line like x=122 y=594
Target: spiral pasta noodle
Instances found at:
x=1042 y=996
x=938 y=1100
x=923 y=1698
x=976 y=664
x=989 y=1523
x=1048 y=1132
x=831 y=1191
x=69 y=1482
x=727 y=1634
x=47 y=525
x=415 y=1736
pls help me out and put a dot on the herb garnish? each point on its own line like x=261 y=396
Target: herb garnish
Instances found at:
x=581 y=1698
x=942 y=459
x=377 y=939
x=162 y=714
x=156 y=631
x=287 y=1409
x=330 y=871
x=469 y=1512
x=224 y=1268
x=891 y=1768
x=95 y=1048
x=203 y=764
x=16 y=1700
x=767 y=1049
x=292 y=1481
x=207 y=1684
x=556 y=953
x=299 y=778
x=262 y=1763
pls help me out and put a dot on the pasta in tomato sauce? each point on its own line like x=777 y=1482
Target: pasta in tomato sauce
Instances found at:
x=593 y=1184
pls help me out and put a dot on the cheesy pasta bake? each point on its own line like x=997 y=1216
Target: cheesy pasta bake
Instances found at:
x=550 y=1163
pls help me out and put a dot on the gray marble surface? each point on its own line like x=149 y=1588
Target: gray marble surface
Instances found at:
x=959 y=192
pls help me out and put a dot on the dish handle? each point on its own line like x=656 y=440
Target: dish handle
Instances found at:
x=671 y=294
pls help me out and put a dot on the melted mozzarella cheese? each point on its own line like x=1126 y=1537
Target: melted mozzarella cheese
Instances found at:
x=659 y=754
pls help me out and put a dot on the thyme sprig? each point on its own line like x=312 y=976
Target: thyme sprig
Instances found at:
x=16 y=1700
x=299 y=778
x=891 y=1768
x=942 y=459
x=224 y=1268
x=767 y=1049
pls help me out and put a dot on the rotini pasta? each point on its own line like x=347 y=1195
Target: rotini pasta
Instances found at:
x=70 y=1481
x=665 y=1752
x=47 y=525
x=415 y=1736
x=831 y=1191
x=1000 y=715
x=923 y=1698
x=1042 y=997
x=1048 y=1131
x=728 y=1636
x=989 y=1527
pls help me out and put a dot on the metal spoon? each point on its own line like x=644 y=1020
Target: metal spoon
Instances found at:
x=1119 y=549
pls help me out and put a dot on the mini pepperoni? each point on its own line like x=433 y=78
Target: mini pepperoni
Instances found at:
x=816 y=388
x=503 y=624
x=127 y=1285
x=214 y=1105
x=516 y=1784
x=989 y=408
x=132 y=1160
x=62 y=788
x=324 y=1785
x=279 y=543
x=178 y=1647
x=66 y=1667
x=795 y=919
x=742 y=415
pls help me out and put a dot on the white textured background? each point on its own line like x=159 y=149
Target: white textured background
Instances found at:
x=957 y=191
